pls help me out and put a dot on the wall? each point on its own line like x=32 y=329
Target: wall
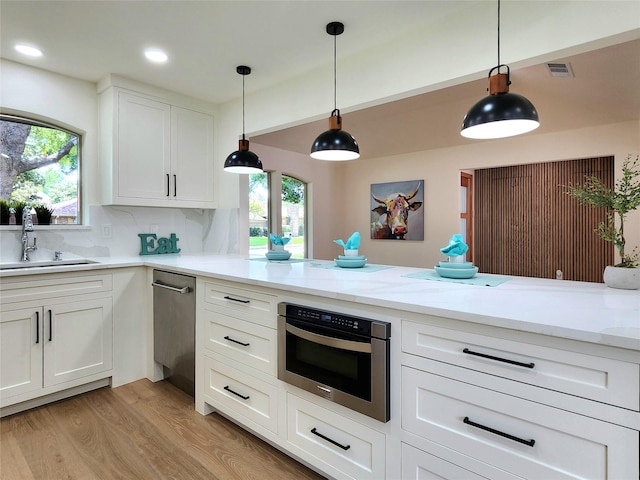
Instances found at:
x=74 y=103
x=440 y=170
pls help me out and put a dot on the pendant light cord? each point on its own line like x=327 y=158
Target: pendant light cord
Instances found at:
x=243 y=107
x=335 y=74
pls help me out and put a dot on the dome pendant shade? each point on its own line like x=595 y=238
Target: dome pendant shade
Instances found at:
x=500 y=115
x=243 y=160
x=335 y=144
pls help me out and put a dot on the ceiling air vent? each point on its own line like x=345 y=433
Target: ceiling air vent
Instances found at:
x=560 y=69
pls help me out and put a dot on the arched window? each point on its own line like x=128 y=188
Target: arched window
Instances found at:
x=277 y=204
x=40 y=170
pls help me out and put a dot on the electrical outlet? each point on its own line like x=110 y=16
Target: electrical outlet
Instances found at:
x=106 y=231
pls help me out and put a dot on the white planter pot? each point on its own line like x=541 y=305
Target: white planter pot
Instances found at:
x=620 y=277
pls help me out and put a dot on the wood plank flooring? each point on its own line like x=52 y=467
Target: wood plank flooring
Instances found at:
x=142 y=430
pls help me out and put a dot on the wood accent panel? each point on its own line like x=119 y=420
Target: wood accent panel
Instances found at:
x=141 y=430
x=525 y=225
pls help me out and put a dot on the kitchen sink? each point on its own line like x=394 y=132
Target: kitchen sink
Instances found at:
x=50 y=263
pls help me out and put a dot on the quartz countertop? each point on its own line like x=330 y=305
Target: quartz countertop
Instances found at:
x=582 y=311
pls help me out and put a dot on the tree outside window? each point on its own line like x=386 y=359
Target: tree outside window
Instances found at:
x=39 y=168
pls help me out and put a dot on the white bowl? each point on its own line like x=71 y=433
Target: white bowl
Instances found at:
x=351 y=253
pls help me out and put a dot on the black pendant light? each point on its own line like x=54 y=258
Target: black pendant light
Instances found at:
x=500 y=114
x=243 y=160
x=335 y=144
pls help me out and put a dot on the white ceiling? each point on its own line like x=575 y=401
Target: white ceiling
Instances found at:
x=206 y=40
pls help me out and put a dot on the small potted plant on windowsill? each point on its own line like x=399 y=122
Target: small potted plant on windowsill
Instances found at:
x=5 y=214
x=622 y=199
x=44 y=214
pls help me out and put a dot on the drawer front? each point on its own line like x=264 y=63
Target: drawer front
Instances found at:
x=246 y=395
x=339 y=442
x=248 y=343
x=419 y=465
x=513 y=434
x=247 y=305
x=49 y=286
x=595 y=378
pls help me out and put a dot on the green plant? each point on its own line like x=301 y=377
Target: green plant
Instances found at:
x=18 y=208
x=44 y=213
x=622 y=199
x=4 y=212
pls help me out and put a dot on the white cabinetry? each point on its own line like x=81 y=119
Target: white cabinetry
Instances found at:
x=56 y=332
x=524 y=408
x=154 y=152
x=236 y=354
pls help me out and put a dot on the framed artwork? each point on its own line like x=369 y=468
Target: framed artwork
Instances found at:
x=396 y=212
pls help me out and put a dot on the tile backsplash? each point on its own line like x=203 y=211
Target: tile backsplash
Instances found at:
x=113 y=232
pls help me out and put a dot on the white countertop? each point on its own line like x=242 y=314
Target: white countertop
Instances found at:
x=581 y=311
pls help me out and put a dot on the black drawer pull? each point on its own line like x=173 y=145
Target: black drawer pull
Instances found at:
x=50 y=329
x=343 y=447
x=505 y=360
x=37 y=326
x=168 y=192
x=175 y=186
x=227 y=297
x=236 y=393
x=498 y=432
x=236 y=341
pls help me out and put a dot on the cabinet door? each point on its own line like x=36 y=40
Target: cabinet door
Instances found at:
x=191 y=156
x=20 y=351
x=143 y=143
x=78 y=340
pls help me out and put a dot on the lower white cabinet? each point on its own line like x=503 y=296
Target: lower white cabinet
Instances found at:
x=421 y=465
x=513 y=434
x=49 y=347
x=342 y=445
x=255 y=401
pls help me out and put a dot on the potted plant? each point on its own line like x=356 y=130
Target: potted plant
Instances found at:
x=44 y=213
x=4 y=212
x=622 y=199
x=18 y=208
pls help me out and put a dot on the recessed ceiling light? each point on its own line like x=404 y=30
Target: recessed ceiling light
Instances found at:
x=28 y=50
x=155 y=55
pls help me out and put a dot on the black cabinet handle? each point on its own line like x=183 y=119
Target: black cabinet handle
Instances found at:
x=50 y=329
x=175 y=186
x=236 y=341
x=343 y=447
x=168 y=192
x=498 y=432
x=504 y=360
x=227 y=297
x=236 y=393
x=37 y=326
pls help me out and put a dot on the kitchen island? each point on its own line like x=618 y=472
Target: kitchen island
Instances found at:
x=580 y=402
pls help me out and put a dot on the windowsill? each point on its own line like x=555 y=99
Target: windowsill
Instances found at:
x=40 y=228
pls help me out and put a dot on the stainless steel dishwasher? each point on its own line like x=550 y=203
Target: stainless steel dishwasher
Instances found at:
x=174 y=327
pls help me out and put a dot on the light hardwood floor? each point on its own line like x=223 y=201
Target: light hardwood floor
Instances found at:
x=142 y=430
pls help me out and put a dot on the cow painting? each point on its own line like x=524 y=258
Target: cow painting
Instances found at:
x=390 y=215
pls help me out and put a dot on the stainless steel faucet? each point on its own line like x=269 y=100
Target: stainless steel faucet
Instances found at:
x=27 y=226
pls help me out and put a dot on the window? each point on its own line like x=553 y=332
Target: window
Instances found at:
x=277 y=204
x=40 y=168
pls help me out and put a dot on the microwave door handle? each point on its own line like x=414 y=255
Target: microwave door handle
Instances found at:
x=330 y=341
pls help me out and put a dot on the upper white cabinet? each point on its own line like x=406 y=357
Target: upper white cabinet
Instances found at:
x=154 y=152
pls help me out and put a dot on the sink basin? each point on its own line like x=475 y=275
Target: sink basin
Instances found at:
x=50 y=263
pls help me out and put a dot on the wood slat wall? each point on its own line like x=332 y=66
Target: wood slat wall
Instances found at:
x=525 y=225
